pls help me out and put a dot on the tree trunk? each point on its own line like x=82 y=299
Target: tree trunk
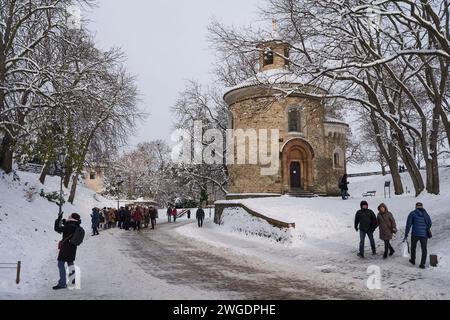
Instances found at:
x=395 y=173
x=433 y=185
x=44 y=172
x=73 y=189
x=67 y=176
x=6 y=153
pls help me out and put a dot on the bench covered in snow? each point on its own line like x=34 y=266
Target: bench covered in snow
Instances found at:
x=370 y=194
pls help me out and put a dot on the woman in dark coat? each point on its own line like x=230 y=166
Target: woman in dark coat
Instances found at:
x=95 y=219
x=67 y=251
x=387 y=227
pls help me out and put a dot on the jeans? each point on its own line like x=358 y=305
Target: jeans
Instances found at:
x=137 y=225
x=169 y=218
x=344 y=194
x=153 y=223
x=174 y=219
x=200 y=222
x=95 y=230
x=62 y=272
x=362 y=235
x=423 y=244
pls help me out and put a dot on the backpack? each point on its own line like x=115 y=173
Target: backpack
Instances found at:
x=77 y=237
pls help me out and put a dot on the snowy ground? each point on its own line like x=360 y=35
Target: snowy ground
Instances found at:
x=324 y=244
x=220 y=262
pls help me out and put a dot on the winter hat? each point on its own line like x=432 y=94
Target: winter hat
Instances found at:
x=75 y=216
x=364 y=203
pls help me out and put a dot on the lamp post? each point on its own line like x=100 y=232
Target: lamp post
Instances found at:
x=118 y=190
x=61 y=160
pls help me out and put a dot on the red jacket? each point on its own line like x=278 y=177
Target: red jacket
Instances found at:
x=137 y=215
x=174 y=212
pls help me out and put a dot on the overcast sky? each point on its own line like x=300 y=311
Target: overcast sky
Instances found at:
x=165 y=42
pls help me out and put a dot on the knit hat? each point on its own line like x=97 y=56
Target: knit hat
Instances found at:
x=364 y=203
x=75 y=216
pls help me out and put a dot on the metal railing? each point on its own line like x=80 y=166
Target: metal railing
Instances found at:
x=17 y=266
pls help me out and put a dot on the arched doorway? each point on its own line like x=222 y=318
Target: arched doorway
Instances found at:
x=297 y=162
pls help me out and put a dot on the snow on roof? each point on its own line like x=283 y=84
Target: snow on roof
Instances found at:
x=270 y=78
x=334 y=120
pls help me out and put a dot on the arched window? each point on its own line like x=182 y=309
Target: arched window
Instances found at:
x=338 y=159
x=294 y=120
x=268 y=57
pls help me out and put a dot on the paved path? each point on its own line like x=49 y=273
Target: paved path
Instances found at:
x=180 y=261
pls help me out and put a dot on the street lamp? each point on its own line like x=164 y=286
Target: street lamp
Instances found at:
x=61 y=160
x=118 y=190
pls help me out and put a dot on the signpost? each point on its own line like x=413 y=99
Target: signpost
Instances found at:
x=387 y=185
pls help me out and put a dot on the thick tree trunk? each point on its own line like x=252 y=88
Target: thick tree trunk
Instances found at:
x=67 y=176
x=410 y=164
x=73 y=189
x=44 y=172
x=433 y=184
x=395 y=173
x=6 y=153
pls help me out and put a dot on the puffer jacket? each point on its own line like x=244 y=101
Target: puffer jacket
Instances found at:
x=420 y=221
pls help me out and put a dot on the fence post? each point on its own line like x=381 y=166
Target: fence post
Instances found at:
x=19 y=265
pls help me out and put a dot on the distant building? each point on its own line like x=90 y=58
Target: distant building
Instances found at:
x=312 y=145
x=93 y=177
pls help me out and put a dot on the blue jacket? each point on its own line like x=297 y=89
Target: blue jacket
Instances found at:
x=420 y=221
x=95 y=218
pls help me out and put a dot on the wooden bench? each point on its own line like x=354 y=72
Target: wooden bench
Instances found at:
x=370 y=194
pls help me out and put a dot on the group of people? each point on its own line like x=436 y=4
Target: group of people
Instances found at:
x=172 y=214
x=366 y=222
x=124 y=218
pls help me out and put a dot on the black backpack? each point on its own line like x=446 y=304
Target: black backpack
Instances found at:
x=77 y=237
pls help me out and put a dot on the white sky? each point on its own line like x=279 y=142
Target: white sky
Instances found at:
x=165 y=42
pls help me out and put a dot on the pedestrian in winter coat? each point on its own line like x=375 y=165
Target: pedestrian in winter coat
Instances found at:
x=366 y=223
x=420 y=222
x=112 y=218
x=343 y=185
x=95 y=219
x=146 y=218
x=127 y=218
x=67 y=251
x=189 y=214
x=174 y=214
x=169 y=214
x=105 y=214
x=153 y=216
x=137 y=217
x=200 y=215
x=388 y=228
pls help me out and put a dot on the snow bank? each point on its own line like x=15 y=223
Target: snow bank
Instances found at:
x=26 y=227
x=238 y=220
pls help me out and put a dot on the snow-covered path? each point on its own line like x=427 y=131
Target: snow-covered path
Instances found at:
x=163 y=264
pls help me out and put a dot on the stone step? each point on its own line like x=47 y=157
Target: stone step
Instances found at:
x=302 y=194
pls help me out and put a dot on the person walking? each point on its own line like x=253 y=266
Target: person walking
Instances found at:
x=153 y=216
x=366 y=223
x=388 y=228
x=127 y=219
x=137 y=217
x=189 y=214
x=169 y=214
x=174 y=214
x=343 y=185
x=420 y=222
x=200 y=215
x=146 y=217
x=95 y=219
x=67 y=251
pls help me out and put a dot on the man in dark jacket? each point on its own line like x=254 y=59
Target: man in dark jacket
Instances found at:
x=169 y=214
x=343 y=185
x=153 y=216
x=67 y=251
x=421 y=224
x=95 y=219
x=200 y=216
x=366 y=223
